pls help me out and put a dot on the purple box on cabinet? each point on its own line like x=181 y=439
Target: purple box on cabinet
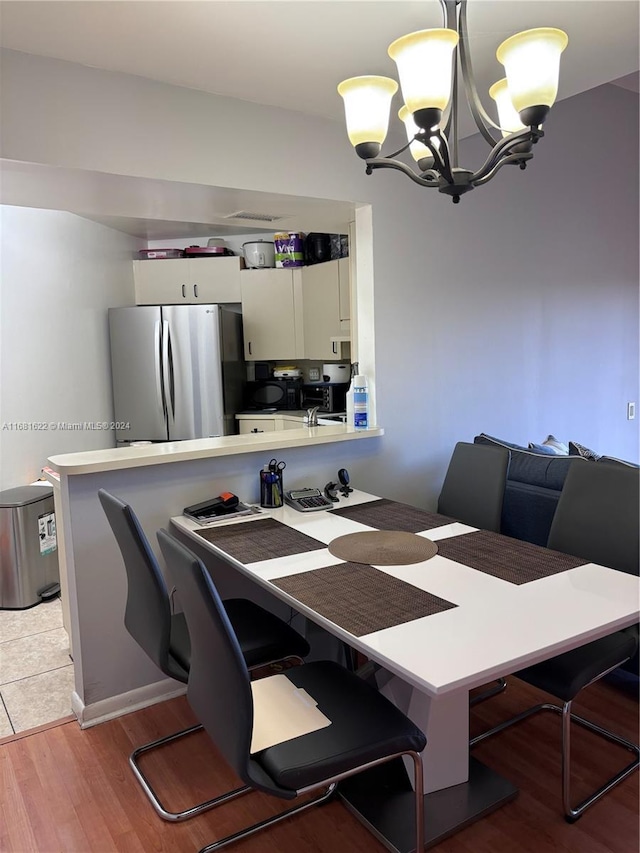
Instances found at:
x=288 y=250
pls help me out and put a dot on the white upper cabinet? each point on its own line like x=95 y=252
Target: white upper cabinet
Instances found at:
x=272 y=314
x=177 y=281
x=326 y=302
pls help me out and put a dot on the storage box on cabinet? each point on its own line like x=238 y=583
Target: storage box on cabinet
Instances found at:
x=187 y=281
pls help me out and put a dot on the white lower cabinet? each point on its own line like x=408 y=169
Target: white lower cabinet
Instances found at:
x=269 y=423
x=177 y=281
x=249 y=425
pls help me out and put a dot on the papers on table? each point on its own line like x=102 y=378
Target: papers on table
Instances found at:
x=282 y=711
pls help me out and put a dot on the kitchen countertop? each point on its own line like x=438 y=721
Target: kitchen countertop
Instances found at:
x=112 y=459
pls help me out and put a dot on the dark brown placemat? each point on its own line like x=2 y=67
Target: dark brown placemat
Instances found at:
x=391 y=515
x=383 y=548
x=263 y=539
x=508 y=559
x=359 y=598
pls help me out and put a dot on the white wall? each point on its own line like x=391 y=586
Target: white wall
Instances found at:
x=60 y=273
x=514 y=312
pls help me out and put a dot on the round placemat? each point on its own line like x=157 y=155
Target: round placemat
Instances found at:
x=383 y=548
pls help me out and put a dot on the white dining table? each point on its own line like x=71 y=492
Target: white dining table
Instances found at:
x=492 y=627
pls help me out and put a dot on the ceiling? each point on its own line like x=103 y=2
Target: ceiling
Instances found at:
x=293 y=53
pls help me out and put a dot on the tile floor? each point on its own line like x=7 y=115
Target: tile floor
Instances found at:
x=36 y=672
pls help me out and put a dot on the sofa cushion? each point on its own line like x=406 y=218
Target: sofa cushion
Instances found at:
x=538 y=469
x=527 y=512
x=611 y=460
x=483 y=438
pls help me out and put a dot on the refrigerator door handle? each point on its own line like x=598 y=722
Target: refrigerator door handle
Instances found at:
x=157 y=350
x=167 y=371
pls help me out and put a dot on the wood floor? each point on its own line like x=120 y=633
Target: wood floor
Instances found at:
x=64 y=790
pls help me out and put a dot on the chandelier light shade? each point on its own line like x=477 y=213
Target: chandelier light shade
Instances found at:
x=508 y=117
x=429 y=64
x=367 y=102
x=425 y=68
x=531 y=61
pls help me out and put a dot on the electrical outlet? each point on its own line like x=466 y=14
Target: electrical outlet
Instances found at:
x=314 y=374
x=631 y=411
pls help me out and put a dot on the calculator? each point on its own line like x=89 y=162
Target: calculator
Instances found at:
x=307 y=500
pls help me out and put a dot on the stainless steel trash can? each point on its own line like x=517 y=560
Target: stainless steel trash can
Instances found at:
x=29 y=571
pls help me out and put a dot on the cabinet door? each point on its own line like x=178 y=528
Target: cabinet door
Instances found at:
x=251 y=425
x=177 y=281
x=269 y=314
x=321 y=309
x=214 y=279
x=164 y=282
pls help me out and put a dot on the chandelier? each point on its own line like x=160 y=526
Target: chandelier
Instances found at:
x=428 y=72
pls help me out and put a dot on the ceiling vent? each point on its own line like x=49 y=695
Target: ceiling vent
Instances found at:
x=255 y=217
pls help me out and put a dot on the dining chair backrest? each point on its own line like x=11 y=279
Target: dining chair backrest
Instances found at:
x=148 y=612
x=473 y=488
x=219 y=690
x=598 y=516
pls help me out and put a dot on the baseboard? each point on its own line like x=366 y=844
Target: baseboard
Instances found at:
x=124 y=703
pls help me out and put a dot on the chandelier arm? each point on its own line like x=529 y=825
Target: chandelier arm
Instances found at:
x=440 y=154
x=426 y=179
x=499 y=149
x=482 y=119
x=511 y=158
x=399 y=151
x=450 y=22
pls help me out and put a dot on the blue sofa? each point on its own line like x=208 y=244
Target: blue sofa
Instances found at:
x=534 y=484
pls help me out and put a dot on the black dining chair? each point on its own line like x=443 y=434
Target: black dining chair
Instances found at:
x=365 y=729
x=473 y=492
x=473 y=488
x=164 y=636
x=598 y=519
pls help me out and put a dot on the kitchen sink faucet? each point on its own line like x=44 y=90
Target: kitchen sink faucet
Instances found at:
x=312 y=416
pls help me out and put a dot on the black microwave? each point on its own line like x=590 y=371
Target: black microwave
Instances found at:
x=329 y=397
x=273 y=394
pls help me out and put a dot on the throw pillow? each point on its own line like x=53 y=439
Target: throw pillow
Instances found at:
x=576 y=449
x=552 y=441
x=546 y=449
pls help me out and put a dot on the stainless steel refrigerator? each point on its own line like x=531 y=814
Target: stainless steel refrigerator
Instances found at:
x=177 y=370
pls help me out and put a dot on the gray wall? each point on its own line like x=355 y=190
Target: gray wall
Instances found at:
x=514 y=312
x=60 y=273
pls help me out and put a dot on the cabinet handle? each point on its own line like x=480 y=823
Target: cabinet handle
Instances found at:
x=184 y=291
x=257 y=430
x=195 y=290
x=249 y=347
x=334 y=347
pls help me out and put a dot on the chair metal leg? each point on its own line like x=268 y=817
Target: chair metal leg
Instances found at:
x=499 y=686
x=153 y=797
x=330 y=785
x=572 y=814
x=263 y=824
